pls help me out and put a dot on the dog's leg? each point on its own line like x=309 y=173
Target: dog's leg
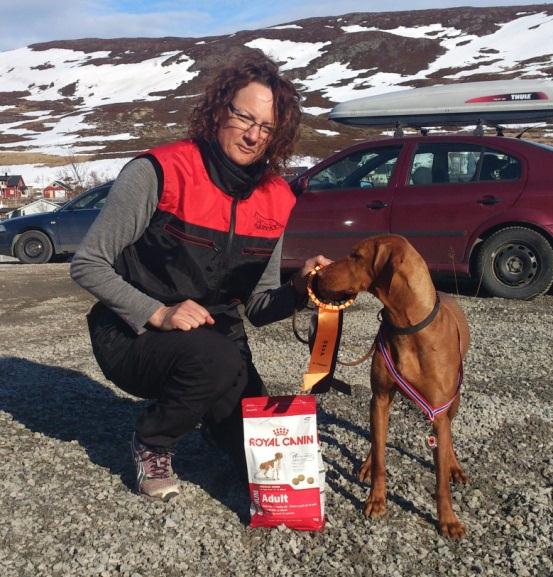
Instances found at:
x=375 y=505
x=450 y=526
x=457 y=475
x=364 y=474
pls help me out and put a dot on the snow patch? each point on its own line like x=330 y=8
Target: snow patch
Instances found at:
x=533 y=35
x=45 y=113
x=294 y=54
x=434 y=30
x=39 y=176
x=327 y=132
x=315 y=110
x=325 y=79
x=286 y=26
x=97 y=85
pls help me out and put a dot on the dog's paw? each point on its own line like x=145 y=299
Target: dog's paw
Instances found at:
x=375 y=506
x=453 y=529
x=457 y=475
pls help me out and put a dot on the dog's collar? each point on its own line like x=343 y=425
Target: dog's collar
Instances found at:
x=390 y=327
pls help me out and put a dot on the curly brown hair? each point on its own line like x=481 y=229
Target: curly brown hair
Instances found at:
x=204 y=119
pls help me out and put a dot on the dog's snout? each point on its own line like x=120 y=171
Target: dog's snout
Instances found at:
x=333 y=283
x=322 y=283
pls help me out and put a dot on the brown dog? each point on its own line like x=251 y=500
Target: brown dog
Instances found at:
x=428 y=356
x=272 y=465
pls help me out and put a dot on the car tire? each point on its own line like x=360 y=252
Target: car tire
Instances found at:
x=515 y=263
x=33 y=247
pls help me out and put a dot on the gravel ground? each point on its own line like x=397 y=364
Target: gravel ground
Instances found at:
x=66 y=495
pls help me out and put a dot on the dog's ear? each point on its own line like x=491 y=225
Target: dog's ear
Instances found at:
x=377 y=253
x=368 y=259
x=400 y=261
x=381 y=257
x=359 y=266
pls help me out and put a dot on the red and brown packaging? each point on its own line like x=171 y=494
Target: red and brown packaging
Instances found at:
x=285 y=468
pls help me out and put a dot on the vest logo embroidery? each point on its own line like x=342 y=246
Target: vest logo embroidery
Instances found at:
x=262 y=223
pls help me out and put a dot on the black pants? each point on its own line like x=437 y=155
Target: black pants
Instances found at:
x=195 y=375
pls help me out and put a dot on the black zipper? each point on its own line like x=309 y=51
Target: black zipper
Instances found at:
x=189 y=238
x=257 y=251
x=228 y=248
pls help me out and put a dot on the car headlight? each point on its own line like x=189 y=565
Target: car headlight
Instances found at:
x=2 y=228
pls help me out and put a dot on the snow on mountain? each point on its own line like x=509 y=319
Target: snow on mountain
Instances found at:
x=105 y=100
x=91 y=77
x=292 y=54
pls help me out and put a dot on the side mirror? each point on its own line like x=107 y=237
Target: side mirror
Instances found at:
x=299 y=186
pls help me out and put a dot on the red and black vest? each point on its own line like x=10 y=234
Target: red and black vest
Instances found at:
x=202 y=243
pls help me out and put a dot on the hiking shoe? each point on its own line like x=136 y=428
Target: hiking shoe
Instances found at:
x=154 y=475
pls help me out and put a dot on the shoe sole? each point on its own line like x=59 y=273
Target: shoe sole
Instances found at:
x=164 y=499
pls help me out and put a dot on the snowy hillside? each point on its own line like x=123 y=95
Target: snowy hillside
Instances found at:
x=104 y=100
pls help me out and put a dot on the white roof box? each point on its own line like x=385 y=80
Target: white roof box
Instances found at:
x=494 y=102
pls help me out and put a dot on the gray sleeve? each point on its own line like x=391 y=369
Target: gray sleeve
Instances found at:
x=129 y=208
x=271 y=301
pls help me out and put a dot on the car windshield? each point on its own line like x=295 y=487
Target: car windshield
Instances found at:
x=93 y=199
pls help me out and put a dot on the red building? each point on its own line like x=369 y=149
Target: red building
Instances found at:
x=12 y=186
x=56 y=189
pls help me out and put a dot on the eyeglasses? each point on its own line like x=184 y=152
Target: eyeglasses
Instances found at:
x=245 y=123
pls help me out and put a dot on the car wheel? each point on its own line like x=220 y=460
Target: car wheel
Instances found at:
x=33 y=247
x=515 y=263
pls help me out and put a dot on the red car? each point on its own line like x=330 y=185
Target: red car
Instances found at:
x=481 y=206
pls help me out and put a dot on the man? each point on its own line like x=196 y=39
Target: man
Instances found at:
x=189 y=231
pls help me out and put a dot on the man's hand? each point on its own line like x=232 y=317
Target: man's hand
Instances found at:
x=184 y=316
x=299 y=280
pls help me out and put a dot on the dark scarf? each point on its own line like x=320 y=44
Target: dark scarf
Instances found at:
x=233 y=179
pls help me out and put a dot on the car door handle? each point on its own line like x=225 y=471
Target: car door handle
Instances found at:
x=377 y=205
x=489 y=200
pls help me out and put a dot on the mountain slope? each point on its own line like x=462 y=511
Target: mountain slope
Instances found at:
x=111 y=98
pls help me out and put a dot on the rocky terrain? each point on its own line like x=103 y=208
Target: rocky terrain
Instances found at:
x=66 y=490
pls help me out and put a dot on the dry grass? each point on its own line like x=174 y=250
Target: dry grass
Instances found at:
x=15 y=158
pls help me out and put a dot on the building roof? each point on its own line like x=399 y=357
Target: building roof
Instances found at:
x=58 y=184
x=40 y=201
x=11 y=179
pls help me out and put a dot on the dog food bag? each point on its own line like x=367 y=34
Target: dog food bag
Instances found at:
x=285 y=468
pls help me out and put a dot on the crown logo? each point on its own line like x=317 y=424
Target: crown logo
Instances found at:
x=280 y=431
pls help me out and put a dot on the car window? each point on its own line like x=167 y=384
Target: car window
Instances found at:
x=361 y=169
x=442 y=163
x=96 y=198
x=495 y=165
